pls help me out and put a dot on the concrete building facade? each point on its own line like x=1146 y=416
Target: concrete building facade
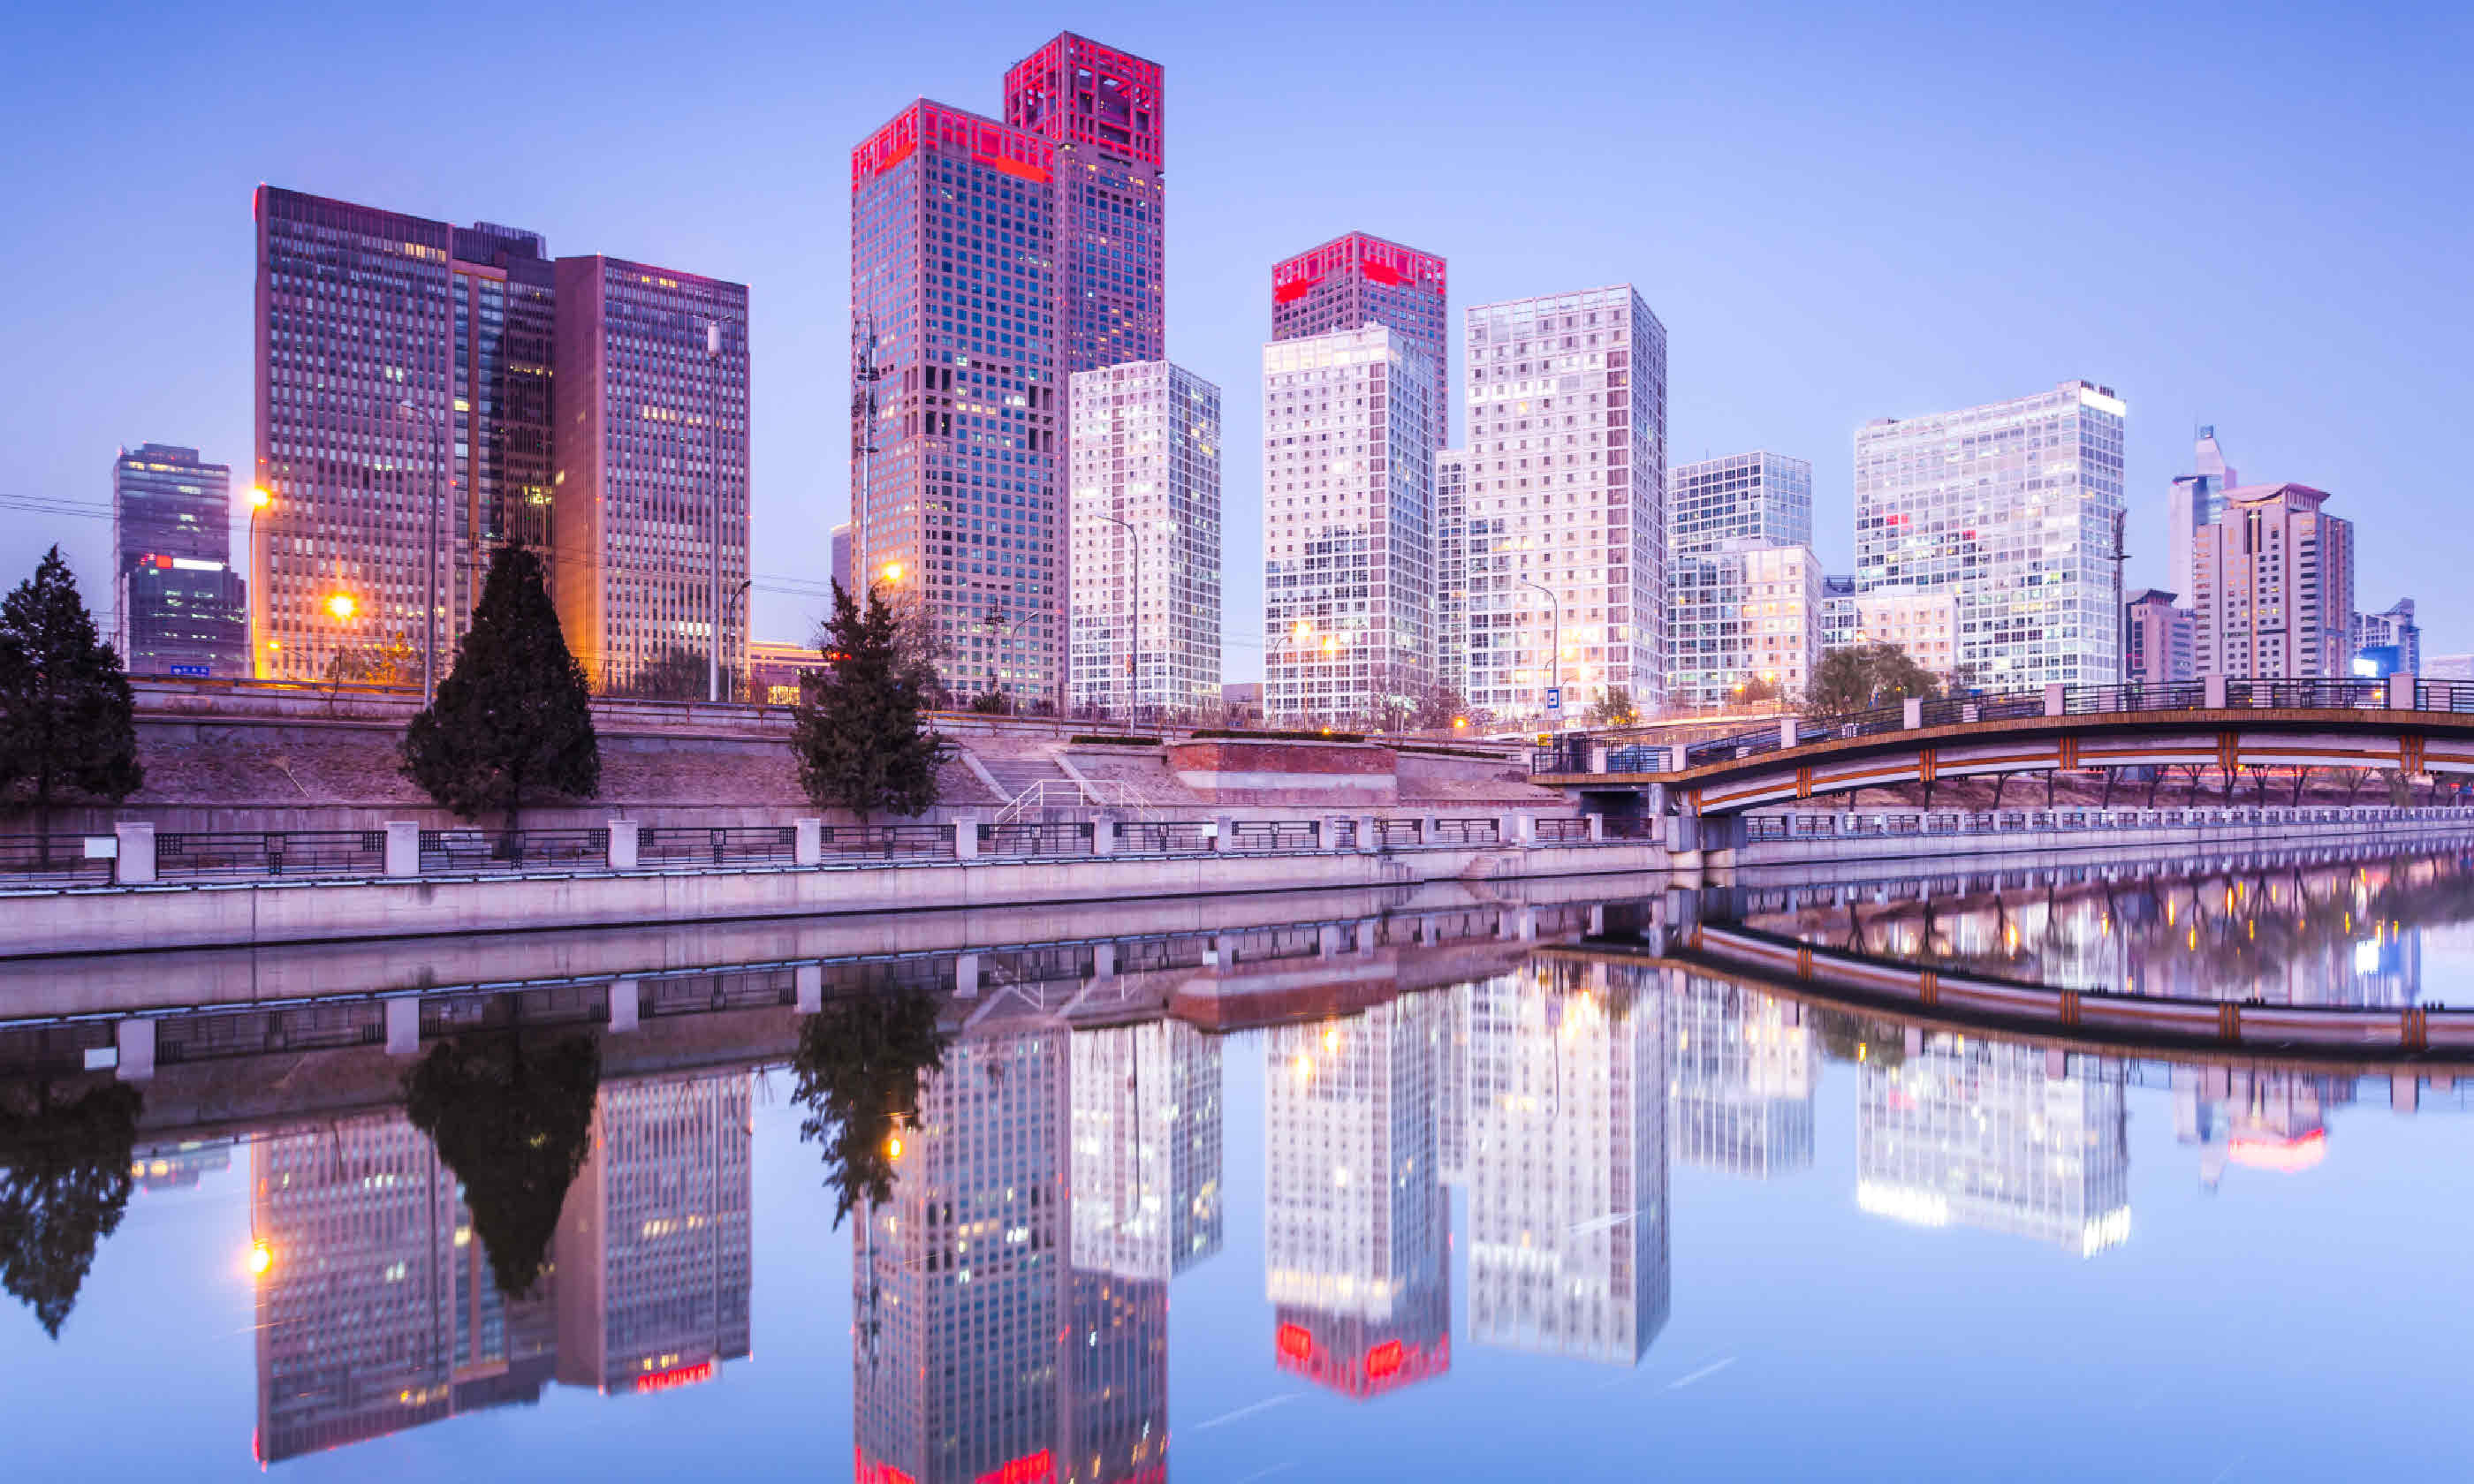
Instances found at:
x=2389 y=642
x=1348 y=541
x=1764 y=499
x=1742 y=614
x=2275 y=595
x=178 y=606
x=1452 y=570
x=1145 y=480
x=1565 y=498
x=2013 y=508
x=2156 y=638
x=1921 y=621
x=1360 y=279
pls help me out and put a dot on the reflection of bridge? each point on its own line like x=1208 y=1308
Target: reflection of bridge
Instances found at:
x=2399 y=722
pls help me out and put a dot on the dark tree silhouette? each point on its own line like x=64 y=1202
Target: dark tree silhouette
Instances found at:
x=514 y=1123
x=857 y=730
x=66 y=715
x=514 y=714
x=63 y=1183
x=677 y=673
x=859 y=1065
x=1863 y=676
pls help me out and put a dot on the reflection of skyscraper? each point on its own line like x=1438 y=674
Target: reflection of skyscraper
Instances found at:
x=1988 y=1134
x=1146 y=1165
x=1116 y=1398
x=1451 y=1085
x=1355 y=1220
x=376 y=1311
x=962 y=1290
x=1568 y=1162
x=2271 y=1120
x=654 y=1252
x=1742 y=1080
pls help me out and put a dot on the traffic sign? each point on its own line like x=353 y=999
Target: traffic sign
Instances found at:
x=1555 y=698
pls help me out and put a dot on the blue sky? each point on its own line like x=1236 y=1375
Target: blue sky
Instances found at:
x=2253 y=216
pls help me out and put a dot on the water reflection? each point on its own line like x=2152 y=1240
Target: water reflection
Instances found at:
x=64 y=1180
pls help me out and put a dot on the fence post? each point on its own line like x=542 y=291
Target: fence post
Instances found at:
x=403 y=1025
x=1103 y=961
x=966 y=976
x=2401 y=692
x=1369 y=834
x=966 y=835
x=1597 y=828
x=1366 y=928
x=1786 y=732
x=2212 y=693
x=1597 y=757
x=134 y=865
x=1327 y=941
x=134 y=1039
x=808 y=845
x=624 y=1005
x=1103 y=834
x=2055 y=702
x=402 y=848
x=1911 y=713
x=624 y=835
x=1224 y=831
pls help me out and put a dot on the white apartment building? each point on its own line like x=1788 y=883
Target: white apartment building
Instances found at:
x=2013 y=509
x=1349 y=534
x=1143 y=467
x=1566 y=493
x=1761 y=497
x=1920 y=620
x=1742 y=614
x=2275 y=588
x=1452 y=570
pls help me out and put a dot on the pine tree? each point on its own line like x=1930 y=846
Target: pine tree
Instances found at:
x=67 y=720
x=855 y=729
x=514 y=715
x=63 y=1183
x=515 y=1124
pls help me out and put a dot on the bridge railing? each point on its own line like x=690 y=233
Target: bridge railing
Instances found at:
x=2443 y=696
x=1808 y=825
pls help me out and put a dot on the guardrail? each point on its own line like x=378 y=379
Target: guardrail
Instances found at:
x=460 y=851
x=1834 y=825
x=1575 y=754
x=242 y=855
x=50 y=859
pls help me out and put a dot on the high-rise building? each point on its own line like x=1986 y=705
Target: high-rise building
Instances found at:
x=1977 y=1133
x=1145 y=1140
x=651 y=453
x=1566 y=490
x=1101 y=109
x=2196 y=500
x=1143 y=466
x=958 y=376
x=181 y=609
x=2275 y=595
x=1349 y=542
x=1356 y=1224
x=377 y=1310
x=1356 y=280
x=1761 y=498
x=1741 y=1087
x=412 y=380
x=1921 y=621
x=2156 y=639
x=1738 y=614
x=2012 y=506
x=841 y=543
x=2389 y=642
x=1567 y=1142
x=654 y=1250
x=963 y=1296
x=1840 y=622
x=1452 y=570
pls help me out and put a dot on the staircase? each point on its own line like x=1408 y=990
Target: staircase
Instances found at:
x=1013 y=775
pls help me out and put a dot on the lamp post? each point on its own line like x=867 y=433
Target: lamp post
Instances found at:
x=1134 y=624
x=1556 y=683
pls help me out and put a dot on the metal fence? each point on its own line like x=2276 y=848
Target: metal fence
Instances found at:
x=51 y=860
x=720 y=845
x=461 y=851
x=1561 y=831
x=1486 y=831
x=1026 y=838
x=1814 y=824
x=1162 y=837
x=890 y=842
x=246 y=854
x=1273 y=835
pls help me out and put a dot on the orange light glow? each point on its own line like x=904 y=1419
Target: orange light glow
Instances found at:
x=343 y=605
x=260 y=499
x=260 y=1258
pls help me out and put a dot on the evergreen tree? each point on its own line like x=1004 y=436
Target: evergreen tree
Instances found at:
x=67 y=721
x=514 y=713
x=859 y=1065
x=514 y=1126
x=63 y=1183
x=857 y=730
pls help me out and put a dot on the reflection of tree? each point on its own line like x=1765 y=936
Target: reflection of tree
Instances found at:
x=514 y=1123
x=859 y=1065
x=63 y=1182
x=1847 y=1036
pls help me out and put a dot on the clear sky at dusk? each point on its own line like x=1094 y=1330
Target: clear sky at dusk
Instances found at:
x=2251 y=217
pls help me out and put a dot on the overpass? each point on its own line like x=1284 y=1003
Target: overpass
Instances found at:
x=2413 y=725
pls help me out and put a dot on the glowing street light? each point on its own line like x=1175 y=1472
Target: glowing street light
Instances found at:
x=893 y=571
x=343 y=606
x=261 y=1258
x=260 y=499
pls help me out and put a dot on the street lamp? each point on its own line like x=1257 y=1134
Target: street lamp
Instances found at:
x=1557 y=683
x=343 y=606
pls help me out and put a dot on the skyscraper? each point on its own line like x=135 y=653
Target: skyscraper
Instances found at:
x=1742 y=616
x=2156 y=639
x=1348 y=543
x=956 y=381
x=2390 y=637
x=1101 y=108
x=1356 y=280
x=2196 y=499
x=1145 y=476
x=1566 y=501
x=1568 y=1243
x=408 y=424
x=1452 y=570
x=1765 y=499
x=181 y=607
x=2012 y=506
x=2275 y=595
x=651 y=408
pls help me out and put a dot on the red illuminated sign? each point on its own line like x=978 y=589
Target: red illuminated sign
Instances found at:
x=1383 y=1360
x=675 y=1377
x=1030 y=1469
x=1294 y=1343
x=865 y=1470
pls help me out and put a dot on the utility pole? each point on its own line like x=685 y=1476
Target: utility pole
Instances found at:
x=865 y=374
x=2120 y=613
x=1134 y=624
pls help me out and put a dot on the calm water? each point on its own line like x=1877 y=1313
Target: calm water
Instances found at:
x=1553 y=1209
